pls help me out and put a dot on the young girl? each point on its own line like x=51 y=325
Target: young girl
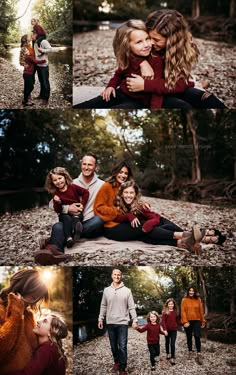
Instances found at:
x=49 y=357
x=153 y=329
x=132 y=47
x=39 y=30
x=171 y=39
x=59 y=183
x=192 y=318
x=28 y=61
x=170 y=322
x=155 y=228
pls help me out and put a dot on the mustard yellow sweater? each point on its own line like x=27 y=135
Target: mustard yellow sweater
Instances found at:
x=17 y=340
x=191 y=309
x=104 y=205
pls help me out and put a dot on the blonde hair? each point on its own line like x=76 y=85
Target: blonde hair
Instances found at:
x=58 y=331
x=121 y=41
x=166 y=308
x=49 y=185
x=181 y=54
x=136 y=205
x=154 y=313
x=27 y=282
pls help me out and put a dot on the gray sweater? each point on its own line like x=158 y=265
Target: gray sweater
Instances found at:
x=117 y=305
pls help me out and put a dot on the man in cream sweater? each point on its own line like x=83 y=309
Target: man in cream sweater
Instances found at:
x=117 y=306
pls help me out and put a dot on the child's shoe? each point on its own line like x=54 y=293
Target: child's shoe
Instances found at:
x=115 y=367
x=172 y=361
x=153 y=368
x=69 y=242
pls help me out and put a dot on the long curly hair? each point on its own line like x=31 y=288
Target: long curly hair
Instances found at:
x=27 y=282
x=181 y=54
x=58 y=331
x=121 y=41
x=136 y=205
x=115 y=171
x=49 y=185
x=166 y=308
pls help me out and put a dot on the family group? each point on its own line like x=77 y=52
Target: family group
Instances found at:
x=34 y=58
x=117 y=306
x=89 y=207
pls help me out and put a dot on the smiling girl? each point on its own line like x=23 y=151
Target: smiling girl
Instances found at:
x=153 y=329
x=60 y=184
x=49 y=357
x=132 y=47
x=147 y=226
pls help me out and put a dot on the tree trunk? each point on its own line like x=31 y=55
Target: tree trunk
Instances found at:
x=197 y=174
x=203 y=290
x=195 y=8
x=231 y=8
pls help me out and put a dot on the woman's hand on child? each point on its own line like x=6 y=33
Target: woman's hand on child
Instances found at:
x=135 y=223
x=56 y=199
x=106 y=94
x=146 y=70
x=135 y=83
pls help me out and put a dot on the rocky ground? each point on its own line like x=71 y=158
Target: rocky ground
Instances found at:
x=12 y=85
x=94 y=65
x=20 y=232
x=94 y=357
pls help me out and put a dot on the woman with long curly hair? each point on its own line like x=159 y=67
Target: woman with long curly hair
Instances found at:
x=17 y=339
x=127 y=218
x=172 y=40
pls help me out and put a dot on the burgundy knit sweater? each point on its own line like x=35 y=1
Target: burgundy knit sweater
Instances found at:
x=153 y=332
x=45 y=361
x=151 y=218
x=154 y=90
x=170 y=321
x=73 y=194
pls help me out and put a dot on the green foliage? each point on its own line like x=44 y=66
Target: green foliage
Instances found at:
x=56 y=17
x=151 y=287
x=8 y=16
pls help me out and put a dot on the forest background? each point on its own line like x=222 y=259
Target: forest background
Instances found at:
x=174 y=154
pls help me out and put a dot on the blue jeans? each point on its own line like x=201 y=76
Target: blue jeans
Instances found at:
x=118 y=336
x=91 y=228
x=43 y=74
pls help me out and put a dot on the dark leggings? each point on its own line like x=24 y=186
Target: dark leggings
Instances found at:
x=69 y=223
x=120 y=101
x=28 y=85
x=192 y=98
x=154 y=350
x=161 y=234
x=170 y=343
x=194 y=328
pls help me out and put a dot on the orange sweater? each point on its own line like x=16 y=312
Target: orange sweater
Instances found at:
x=191 y=309
x=104 y=205
x=17 y=340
